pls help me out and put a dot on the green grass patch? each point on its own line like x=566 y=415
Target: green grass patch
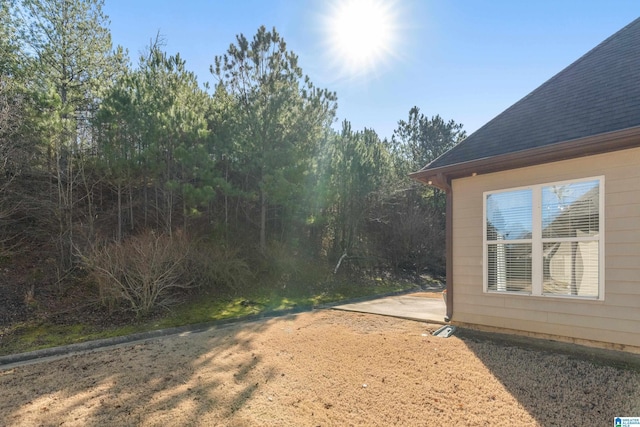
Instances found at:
x=205 y=308
x=30 y=336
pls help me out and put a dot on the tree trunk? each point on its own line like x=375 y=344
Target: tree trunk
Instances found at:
x=184 y=213
x=119 y=229
x=169 y=213
x=146 y=199
x=132 y=225
x=263 y=222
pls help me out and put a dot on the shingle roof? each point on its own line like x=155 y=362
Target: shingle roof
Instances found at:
x=598 y=93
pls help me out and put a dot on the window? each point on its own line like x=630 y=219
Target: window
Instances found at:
x=545 y=240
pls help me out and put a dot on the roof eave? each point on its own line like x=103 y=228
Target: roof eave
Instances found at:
x=587 y=146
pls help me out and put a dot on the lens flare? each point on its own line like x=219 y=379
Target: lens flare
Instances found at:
x=361 y=34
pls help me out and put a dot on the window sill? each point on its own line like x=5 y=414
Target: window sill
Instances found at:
x=545 y=296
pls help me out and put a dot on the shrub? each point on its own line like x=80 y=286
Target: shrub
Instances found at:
x=216 y=266
x=142 y=273
x=289 y=271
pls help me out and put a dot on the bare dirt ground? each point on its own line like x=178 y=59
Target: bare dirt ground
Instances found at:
x=323 y=368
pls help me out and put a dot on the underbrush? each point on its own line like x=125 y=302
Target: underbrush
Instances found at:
x=154 y=282
x=202 y=306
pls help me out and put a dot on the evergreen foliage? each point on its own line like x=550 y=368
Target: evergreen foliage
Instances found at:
x=249 y=178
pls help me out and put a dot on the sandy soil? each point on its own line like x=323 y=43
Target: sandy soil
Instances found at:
x=324 y=368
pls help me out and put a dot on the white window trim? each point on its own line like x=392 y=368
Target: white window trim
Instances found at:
x=537 y=240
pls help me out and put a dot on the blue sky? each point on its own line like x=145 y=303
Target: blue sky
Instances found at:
x=465 y=60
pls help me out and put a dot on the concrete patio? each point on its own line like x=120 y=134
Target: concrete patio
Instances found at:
x=421 y=306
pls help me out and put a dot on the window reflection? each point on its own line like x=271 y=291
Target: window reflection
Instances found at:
x=566 y=241
x=509 y=215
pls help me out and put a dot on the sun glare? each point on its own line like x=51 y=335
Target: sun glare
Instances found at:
x=361 y=34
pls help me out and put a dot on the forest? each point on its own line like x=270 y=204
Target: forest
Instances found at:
x=127 y=186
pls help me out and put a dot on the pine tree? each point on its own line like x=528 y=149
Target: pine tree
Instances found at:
x=73 y=64
x=281 y=118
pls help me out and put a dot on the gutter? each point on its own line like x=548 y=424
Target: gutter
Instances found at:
x=571 y=149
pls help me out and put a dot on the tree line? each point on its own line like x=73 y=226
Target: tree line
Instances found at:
x=102 y=159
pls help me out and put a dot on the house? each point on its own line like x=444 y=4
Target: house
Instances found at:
x=543 y=207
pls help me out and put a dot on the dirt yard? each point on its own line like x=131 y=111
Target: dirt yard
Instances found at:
x=324 y=368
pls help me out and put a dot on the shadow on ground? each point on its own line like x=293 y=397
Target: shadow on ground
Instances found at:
x=153 y=382
x=325 y=367
x=556 y=387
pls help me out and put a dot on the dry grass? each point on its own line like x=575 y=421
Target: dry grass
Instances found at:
x=320 y=368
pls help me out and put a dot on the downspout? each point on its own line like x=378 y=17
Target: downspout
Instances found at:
x=444 y=183
x=449 y=252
